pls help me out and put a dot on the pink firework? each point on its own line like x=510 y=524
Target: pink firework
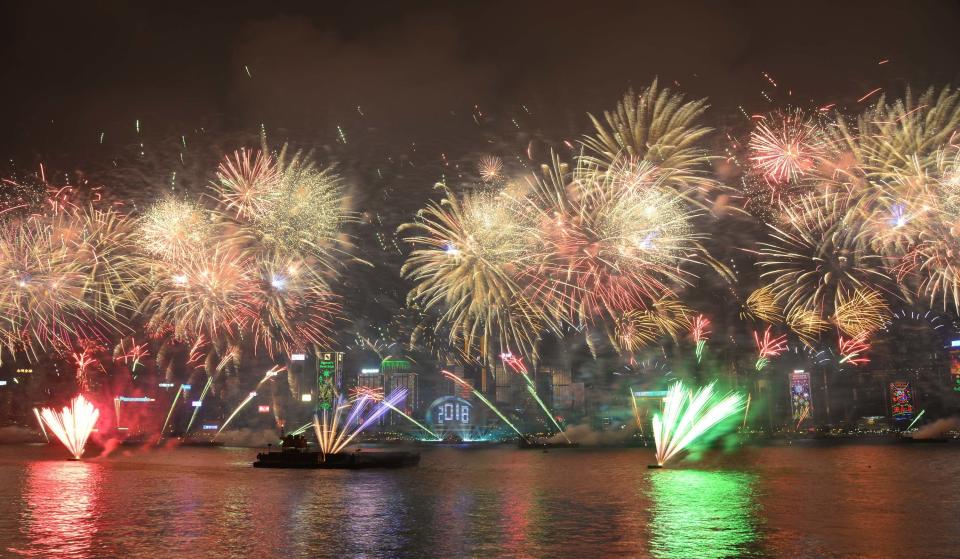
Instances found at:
x=131 y=353
x=784 y=147
x=768 y=347
x=515 y=363
x=86 y=362
x=853 y=350
x=700 y=329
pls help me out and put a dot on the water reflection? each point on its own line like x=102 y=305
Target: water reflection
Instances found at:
x=62 y=506
x=702 y=514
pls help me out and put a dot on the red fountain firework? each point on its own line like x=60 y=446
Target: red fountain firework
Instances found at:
x=700 y=331
x=73 y=424
x=852 y=350
x=768 y=347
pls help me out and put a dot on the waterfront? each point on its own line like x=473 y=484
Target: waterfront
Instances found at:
x=800 y=501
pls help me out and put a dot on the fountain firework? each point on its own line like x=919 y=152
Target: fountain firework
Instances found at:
x=73 y=424
x=687 y=416
x=334 y=433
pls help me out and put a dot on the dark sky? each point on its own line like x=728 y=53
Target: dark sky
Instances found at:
x=71 y=71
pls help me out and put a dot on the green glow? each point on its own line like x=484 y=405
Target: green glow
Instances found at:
x=687 y=416
x=700 y=347
x=708 y=515
x=919 y=415
x=496 y=411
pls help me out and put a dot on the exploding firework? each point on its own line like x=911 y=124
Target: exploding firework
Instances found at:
x=65 y=277
x=853 y=350
x=785 y=146
x=73 y=425
x=687 y=416
x=762 y=305
x=768 y=347
x=861 y=313
x=246 y=183
x=658 y=127
x=468 y=252
x=820 y=251
x=806 y=324
x=612 y=242
x=490 y=168
x=173 y=229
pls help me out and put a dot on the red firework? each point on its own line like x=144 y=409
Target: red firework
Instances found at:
x=784 y=147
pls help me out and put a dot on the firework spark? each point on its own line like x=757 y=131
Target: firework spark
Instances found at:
x=700 y=332
x=334 y=433
x=861 y=313
x=853 y=350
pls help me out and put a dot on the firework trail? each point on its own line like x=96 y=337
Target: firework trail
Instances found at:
x=72 y=425
x=236 y=410
x=375 y=394
x=481 y=397
x=686 y=416
x=196 y=408
x=176 y=398
x=43 y=429
x=516 y=363
x=852 y=350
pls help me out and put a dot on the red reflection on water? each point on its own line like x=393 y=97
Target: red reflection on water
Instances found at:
x=62 y=505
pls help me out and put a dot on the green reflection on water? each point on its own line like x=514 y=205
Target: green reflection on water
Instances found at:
x=701 y=514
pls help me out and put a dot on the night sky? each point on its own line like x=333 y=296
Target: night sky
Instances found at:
x=73 y=71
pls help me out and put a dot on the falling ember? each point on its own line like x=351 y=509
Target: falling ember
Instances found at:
x=73 y=424
x=687 y=416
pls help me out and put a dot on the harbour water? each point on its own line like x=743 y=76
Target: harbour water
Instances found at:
x=853 y=500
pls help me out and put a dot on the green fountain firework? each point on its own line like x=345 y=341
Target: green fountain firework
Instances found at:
x=688 y=415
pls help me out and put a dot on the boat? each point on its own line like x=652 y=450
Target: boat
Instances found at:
x=357 y=460
x=528 y=444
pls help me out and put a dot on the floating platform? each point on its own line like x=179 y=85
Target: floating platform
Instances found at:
x=341 y=461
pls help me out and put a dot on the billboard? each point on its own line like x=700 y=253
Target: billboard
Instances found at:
x=901 y=400
x=955 y=367
x=800 y=401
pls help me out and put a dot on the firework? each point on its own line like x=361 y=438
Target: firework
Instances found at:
x=64 y=278
x=73 y=424
x=172 y=229
x=468 y=251
x=176 y=398
x=686 y=416
x=43 y=429
x=768 y=347
x=700 y=332
x=490 y=168
x=785 y=146
x=246 y=183
x=131 y=353
x=236 y=410
x=634 y=330
x=196 y=408
x=335 y=433
x=820 y=251
x=861 y=313
x=658 y=127
x=853 y=350
x=806 y=323
x=612 y=242
x=762 y=305
x=482 y=398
